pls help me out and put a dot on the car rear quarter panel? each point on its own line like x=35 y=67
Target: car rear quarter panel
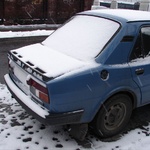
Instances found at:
x=78 y=91
x=86 y=90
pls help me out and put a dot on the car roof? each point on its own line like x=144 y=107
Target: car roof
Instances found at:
x=120 y=14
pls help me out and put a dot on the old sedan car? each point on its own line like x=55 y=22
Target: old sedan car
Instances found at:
x=94 y=68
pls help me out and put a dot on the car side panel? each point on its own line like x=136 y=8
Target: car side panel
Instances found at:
x=88 y=91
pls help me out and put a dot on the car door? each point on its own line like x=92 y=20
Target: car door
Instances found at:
x=140 y=63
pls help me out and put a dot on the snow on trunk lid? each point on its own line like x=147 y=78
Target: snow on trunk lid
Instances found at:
x=43 y=62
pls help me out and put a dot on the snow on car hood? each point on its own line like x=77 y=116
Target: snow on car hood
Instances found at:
x=51 y=62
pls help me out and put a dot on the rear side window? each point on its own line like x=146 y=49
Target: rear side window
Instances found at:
x=142 y=45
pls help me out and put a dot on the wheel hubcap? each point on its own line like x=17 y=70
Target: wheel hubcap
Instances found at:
x=115 y=116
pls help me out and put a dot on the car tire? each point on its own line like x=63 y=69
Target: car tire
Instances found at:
x=113 y=116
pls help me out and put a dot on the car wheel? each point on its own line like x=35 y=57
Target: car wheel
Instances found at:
x=113 y=116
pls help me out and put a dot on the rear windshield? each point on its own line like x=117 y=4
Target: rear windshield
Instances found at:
x=83 y=37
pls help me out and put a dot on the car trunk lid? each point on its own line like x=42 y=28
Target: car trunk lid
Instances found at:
x=44 y=63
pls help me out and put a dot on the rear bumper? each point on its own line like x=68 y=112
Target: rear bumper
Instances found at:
x=39 y=112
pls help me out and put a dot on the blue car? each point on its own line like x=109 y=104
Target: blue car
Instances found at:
x=94 y=69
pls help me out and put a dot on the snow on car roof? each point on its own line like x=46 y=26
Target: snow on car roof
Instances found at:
x=121 y=14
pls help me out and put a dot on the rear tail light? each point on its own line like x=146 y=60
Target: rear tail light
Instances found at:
x=38 y=90
x=44 y=97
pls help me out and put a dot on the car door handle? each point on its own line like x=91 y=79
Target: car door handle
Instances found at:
x=139 y=71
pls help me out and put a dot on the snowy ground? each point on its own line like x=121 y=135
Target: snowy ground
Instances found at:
x=11 y=34
x=19 y=131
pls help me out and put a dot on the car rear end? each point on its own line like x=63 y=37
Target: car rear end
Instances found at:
x=23 y=83
x=29 y=87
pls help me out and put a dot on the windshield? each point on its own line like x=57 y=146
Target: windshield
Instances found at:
x=83 y=37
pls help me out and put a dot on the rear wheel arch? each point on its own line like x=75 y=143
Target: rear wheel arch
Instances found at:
x=126 y=95
x=130 y=94
x=125 y=92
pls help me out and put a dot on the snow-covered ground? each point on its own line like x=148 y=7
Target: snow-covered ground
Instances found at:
x=19 y=131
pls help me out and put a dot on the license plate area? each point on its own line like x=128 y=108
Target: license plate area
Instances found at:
x=19 y=76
